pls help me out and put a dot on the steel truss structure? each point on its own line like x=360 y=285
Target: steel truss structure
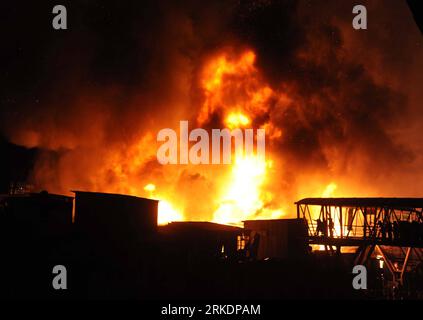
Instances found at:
x=371 y=225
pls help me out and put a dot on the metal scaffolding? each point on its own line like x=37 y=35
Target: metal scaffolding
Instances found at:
x=371 y=225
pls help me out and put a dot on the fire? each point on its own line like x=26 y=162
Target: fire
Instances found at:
x=243 y=198
x=329 y=190
x=328 y=193
x=167 y=213
x=233 y=95
x=234 y=90
x=236 y=120
x=222 y=66
x=150 y=187
x=232 y=85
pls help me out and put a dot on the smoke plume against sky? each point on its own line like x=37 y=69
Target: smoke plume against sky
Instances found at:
x=347 y=104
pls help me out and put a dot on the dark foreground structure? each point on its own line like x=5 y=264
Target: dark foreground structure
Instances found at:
x=35 y=230
x=390 y=229
x=112 y=248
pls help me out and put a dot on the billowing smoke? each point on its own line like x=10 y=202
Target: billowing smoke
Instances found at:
x=344 y=104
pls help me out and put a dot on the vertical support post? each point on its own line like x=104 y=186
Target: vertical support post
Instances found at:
x=363 y=210
x=388 y=263
x=404 y=266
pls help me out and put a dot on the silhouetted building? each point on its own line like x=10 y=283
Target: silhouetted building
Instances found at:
x=34 y=233
x=201 y=240
x=116 y=237
x=44 y=213
x=115 y=217
x=281 y=239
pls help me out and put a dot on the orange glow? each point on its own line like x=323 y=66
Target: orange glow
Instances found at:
x=167 y=213
x=329 y=193
x=234 y=94
x=233 y=87
x=236 y=120
x=232 y=84
x=243 y=199
x=150 y=187
x=222 y=66
x=329 y=190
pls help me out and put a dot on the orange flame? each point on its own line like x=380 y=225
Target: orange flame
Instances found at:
x=233 y=91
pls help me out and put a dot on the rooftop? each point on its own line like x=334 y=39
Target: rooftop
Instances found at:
x=364 y=202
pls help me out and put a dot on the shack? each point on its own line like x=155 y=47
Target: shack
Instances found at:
x=114 y=217
x=277 y=239
x=201 y=240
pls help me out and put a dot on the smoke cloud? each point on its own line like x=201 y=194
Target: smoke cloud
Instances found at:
x=347 y=103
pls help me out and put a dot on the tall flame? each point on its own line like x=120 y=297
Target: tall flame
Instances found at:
x=167 y=213
x=233 y=95
x=242 y=198
x=233 y=88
